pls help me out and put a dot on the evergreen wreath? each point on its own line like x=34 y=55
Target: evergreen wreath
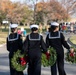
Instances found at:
x=52 y=60
x=16 y=62
x=71 y=57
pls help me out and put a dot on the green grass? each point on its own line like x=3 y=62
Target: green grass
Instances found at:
x=2 y=40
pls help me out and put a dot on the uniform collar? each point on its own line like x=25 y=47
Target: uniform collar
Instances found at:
x=34 y=39
x=9 y=39
x=52 y=37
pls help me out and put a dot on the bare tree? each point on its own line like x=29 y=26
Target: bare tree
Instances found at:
x=70 y=6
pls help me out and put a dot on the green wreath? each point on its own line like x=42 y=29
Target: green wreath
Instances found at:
x=71 y=58
x=52 y=60
x=15 y=62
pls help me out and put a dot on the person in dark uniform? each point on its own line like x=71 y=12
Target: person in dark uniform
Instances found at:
x=57 y=40
x=32 y=46
x=14 y=43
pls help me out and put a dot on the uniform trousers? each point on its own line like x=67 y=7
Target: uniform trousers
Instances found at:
x=60 y=64
x=34 y=66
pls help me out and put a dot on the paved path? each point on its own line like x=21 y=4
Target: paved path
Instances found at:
x=4 y=64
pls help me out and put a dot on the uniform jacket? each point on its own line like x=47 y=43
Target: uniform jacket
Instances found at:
x=34 y=44
x=57 y=41
x=14 y=43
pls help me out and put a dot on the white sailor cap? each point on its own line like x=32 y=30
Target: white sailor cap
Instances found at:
x=34 y=26
x=13 y=25
x=54 y=24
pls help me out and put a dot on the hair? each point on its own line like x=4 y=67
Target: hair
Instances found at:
x=13 y=29
x=34 y=29
x=52 y=28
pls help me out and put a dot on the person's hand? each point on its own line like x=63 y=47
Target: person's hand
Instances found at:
x=71 y=50
x=47 y=55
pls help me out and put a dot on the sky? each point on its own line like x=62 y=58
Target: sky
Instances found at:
x=18 y=0
x=27 y=1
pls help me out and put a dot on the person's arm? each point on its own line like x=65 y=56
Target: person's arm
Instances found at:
x=64 y=42
x=25 y=45
x=7 y=45
x=47 y=41
x=20 y=42
x=43 y=45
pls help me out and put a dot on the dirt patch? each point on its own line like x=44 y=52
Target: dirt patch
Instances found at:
x=73 y=39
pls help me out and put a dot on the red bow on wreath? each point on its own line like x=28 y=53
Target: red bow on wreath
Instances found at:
x=47 y=55
x=23 y=61
x=72 y=54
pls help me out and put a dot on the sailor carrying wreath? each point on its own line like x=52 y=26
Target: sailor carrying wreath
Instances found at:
x=14 y=46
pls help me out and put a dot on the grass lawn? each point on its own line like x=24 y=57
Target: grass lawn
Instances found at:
x=2 y=41
x=4 y=33
x=3 y=36
x=73 y=39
